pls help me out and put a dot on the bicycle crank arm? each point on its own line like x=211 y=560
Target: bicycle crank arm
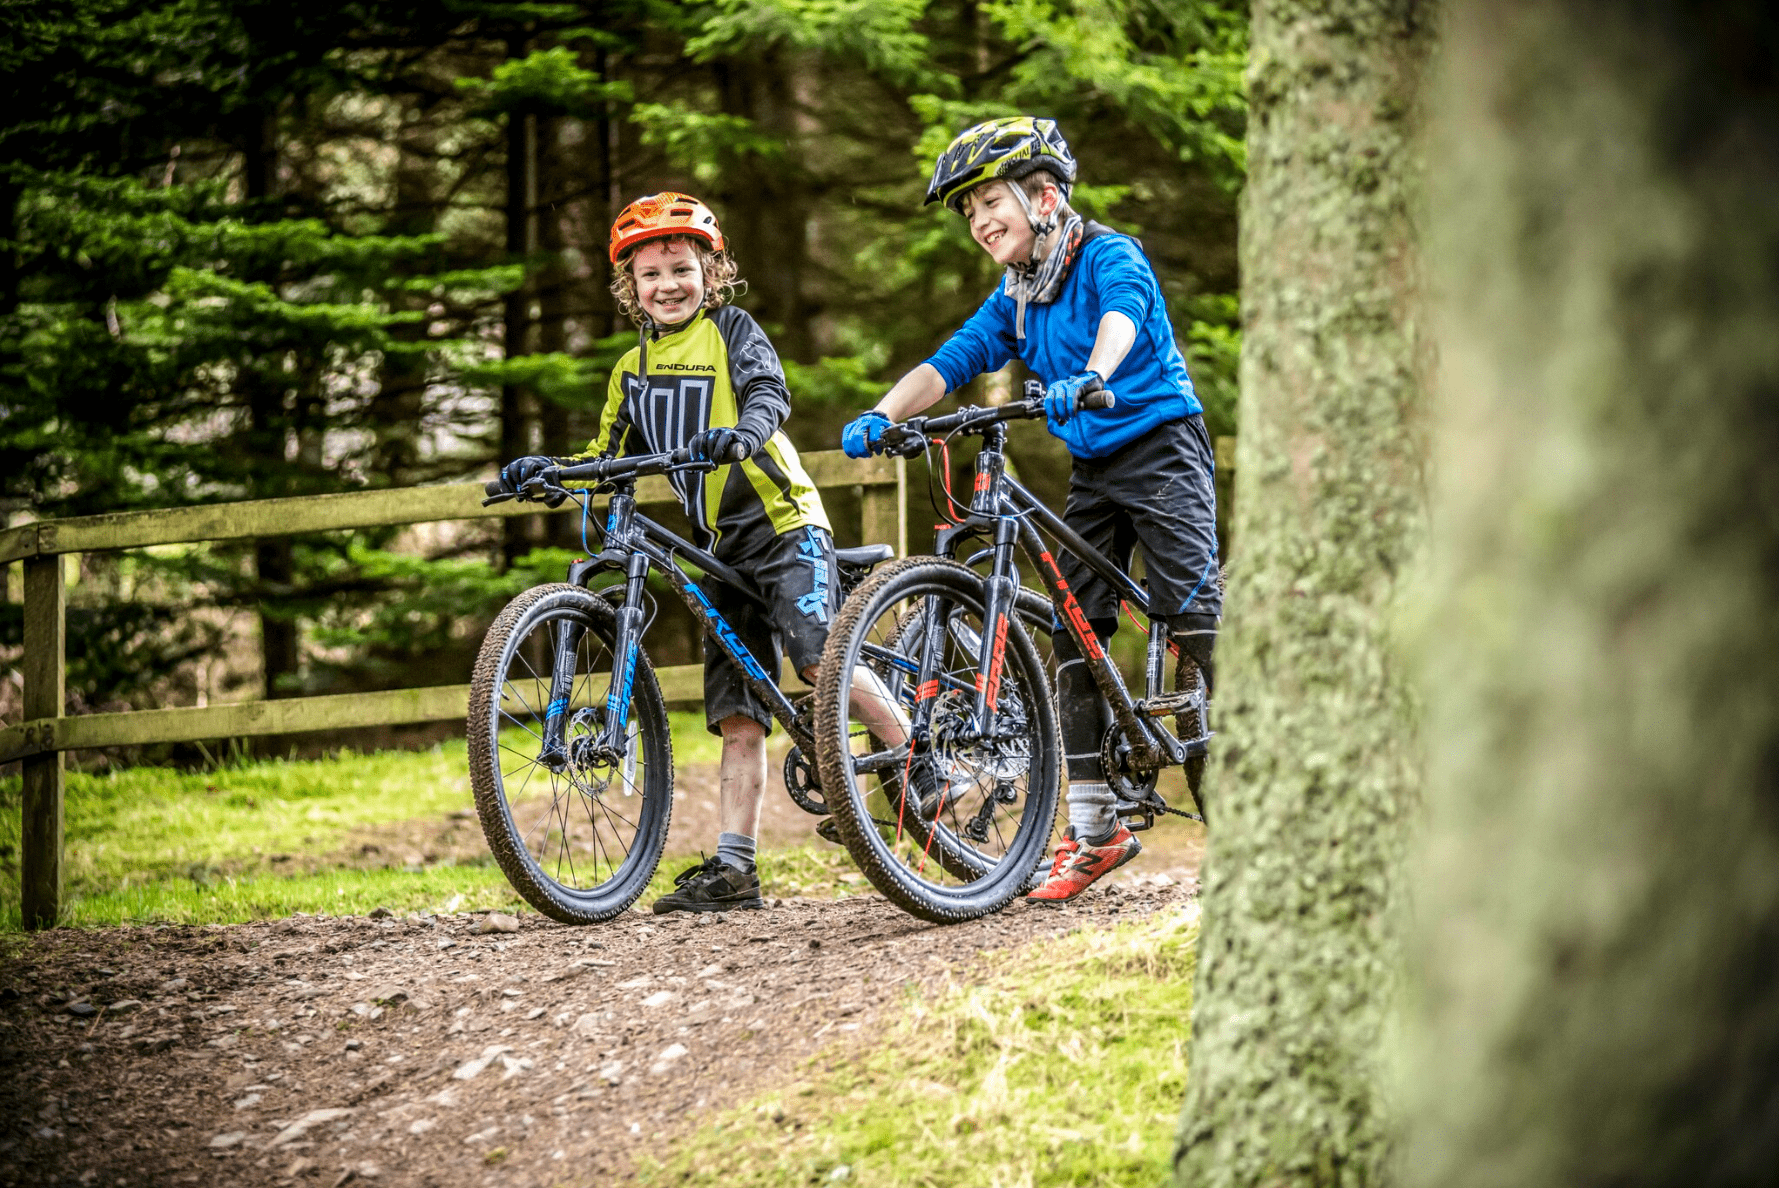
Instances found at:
x=881 y=761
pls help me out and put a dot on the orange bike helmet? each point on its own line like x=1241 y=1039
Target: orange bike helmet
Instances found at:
x=660 y=215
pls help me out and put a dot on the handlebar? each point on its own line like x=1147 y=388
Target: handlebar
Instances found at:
x=597 y=471
x=909 y=438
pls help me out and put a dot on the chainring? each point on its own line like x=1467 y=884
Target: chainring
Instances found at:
x=801 y=781
x=1126 y=783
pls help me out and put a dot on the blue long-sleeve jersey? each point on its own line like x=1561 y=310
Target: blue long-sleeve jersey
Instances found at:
x=1111 y=274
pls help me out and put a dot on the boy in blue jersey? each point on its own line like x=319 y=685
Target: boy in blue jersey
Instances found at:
x=1081 y=307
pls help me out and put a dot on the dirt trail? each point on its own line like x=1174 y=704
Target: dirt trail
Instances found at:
x=417 y=1051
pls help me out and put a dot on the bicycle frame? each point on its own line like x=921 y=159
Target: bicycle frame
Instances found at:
x=1003 y=512
x=633 y=544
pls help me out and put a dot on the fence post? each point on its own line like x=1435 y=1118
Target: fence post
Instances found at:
x=883 y=512
x=40 y=834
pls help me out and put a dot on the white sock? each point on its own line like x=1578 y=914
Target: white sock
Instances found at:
x=1090 y=810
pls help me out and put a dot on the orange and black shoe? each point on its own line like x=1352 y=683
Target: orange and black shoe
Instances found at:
x=1079 y=865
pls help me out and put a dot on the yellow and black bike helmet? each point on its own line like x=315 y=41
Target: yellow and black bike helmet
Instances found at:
x=1008 y=149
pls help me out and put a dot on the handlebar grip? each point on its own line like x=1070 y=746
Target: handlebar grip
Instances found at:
x=737 y=452
x=494 y=487
x=1099 y=398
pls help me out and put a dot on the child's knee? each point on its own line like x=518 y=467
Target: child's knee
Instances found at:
x=740 y=730
x=1196 y=636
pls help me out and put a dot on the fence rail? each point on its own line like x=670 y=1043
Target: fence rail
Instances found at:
x=46 y=733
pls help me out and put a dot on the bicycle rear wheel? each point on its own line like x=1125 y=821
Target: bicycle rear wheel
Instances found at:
x=578 y=833
x=964 y=842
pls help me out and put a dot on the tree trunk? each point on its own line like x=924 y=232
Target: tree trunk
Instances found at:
x=269 y=426
x=400 y=403
x=1316 y=780
x=764 y=211
x=518 y=412
x=554 y=299
x=1598 y=943
x=9 y=257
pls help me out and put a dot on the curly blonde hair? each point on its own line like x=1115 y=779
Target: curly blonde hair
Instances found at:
x=722 y=280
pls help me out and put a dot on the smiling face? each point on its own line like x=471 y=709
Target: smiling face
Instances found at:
x=998 y=223
x=669 y=280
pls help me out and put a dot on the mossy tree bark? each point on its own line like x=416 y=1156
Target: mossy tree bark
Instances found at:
x=1317 y=773
x=1598 y=951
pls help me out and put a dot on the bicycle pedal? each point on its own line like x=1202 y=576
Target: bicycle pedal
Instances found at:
x=1164 y=705
x=828 y=831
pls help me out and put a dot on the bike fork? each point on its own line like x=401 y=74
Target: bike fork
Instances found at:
x=567 y=645
x=997 y=611
x=612 y=733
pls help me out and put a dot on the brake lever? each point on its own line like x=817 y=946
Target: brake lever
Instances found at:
x=912 y=446
x=501 y=498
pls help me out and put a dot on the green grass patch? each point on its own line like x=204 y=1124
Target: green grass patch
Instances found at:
x=152 y=844
x=1069 y=1071
x=342 y=892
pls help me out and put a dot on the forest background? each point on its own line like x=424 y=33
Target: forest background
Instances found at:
x=254 y=249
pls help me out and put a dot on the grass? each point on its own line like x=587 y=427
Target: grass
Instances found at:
x=1069 y=1070
x=257 y=840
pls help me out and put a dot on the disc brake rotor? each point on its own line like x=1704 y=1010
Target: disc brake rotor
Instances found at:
x=964 y=759
x=591 y=772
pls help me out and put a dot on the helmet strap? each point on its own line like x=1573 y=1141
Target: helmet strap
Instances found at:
x=649 y=328
x=1041 y=226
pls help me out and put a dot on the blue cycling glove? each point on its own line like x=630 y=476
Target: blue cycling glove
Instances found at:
x=718 y=443
x=861 y=437
x=519 y=471
x=1060 y=397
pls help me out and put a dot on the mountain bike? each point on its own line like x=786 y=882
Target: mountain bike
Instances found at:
x=570 y=750
x=951 y=645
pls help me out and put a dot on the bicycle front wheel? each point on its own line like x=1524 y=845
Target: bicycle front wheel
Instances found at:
x=952 y=827
x=577 y=828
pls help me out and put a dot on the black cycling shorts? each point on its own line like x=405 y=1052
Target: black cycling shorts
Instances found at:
x=795 y=573
x=1160 y=492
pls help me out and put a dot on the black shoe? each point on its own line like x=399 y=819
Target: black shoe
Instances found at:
x=712 y=886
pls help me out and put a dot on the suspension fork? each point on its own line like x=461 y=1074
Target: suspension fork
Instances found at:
x=624 y=652
x=1001 y=589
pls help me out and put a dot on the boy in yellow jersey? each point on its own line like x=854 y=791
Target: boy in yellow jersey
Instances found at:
x=705 y=376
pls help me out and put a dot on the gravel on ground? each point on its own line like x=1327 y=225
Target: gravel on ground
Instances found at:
x=453 y=1049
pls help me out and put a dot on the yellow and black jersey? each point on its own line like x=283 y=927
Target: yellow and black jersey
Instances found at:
x=718 y=369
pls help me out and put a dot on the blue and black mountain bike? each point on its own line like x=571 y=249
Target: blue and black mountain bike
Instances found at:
x=570 y=751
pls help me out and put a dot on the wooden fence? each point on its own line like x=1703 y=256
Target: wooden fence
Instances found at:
x=46 y=732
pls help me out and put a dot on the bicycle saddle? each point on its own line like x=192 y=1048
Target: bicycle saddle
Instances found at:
x=864 y=555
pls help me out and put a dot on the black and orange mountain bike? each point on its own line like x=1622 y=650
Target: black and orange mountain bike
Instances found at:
x=950 y=641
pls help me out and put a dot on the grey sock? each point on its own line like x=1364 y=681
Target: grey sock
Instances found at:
x=736 y=849
x=1090 y=810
